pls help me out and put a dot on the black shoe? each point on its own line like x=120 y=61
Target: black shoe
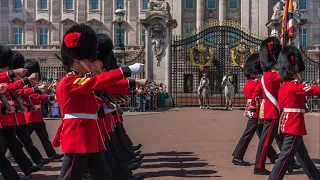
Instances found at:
x=40 y=165
x=44 y=161
x=295 y=166
x=86 y=176
x=257 y=171
x=140 y=177
x=11 y=159
x=137 y=153
x=137 y=147
x=290 y=170
x=134 y=166
x=140 y=158
x=56 y=157
x=273 y=159
x=32 y=169
x=25 y=177
x=240 y=162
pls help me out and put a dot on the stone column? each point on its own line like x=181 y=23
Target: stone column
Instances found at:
x=149 y=57
x=222 y=10
x=200 y=13
x=168 y=61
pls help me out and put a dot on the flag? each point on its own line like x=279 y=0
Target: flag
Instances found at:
x=287 y=28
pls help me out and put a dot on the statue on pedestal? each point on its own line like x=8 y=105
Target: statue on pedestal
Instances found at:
x=159 y=5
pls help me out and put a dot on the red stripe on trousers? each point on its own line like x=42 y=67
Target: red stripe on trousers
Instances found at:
x=74 y=157
x=286 y=157
x=265 y=145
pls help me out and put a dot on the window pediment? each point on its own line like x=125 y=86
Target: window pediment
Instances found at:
x=17 y=21
x=42 y=21
x=94 y=22
x=68 y=22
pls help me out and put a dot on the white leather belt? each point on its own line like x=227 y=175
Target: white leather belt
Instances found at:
x=80 y=116
x=37 y=106
x=10 y=102
x=293 y=110
x=249 y=100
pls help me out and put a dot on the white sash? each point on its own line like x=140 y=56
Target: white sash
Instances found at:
x=269 y=95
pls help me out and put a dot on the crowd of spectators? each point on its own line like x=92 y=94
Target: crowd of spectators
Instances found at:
x=312 y=102
x=50 y=109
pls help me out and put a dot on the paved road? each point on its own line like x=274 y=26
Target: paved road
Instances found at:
x=193 y=144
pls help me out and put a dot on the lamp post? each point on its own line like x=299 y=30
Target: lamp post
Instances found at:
x=119 y=50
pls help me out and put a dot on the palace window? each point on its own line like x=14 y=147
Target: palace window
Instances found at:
x=211 y=4
x=303 y=4
x=233 y=4
x=303 y=37
x=17 y=35
x=69 y=4
x=120 y=4
x=44 y=36
x=120 y=32
x=143 y=35
x=189 y=4
x=94 y=4
x=145 y=4
x=43 y=4
x=17 y=4
x=188 y=31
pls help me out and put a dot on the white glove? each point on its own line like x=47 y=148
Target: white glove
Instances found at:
x=136 y=68
x=250 y=114
x=108 y=110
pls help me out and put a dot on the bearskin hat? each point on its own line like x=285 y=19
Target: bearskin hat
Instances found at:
x=79 y=42
x=290 y=62
x=17 y=60
x=252 y=65
x=269 y=52
x=5 y=57
x=105 y=47
x=33 y=67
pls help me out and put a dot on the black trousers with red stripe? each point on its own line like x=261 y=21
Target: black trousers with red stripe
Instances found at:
x=293 y=145
x=7 y=171
x=269 y=133
x=245 y=139
x=74 y=165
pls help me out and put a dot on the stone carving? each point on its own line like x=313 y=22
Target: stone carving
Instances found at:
x=159 y=5
x=278 y=10
x=158 y=34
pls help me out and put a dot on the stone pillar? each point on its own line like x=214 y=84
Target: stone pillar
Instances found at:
x=200 y=13
x=245 y=13
x=149 y=57
x=168 y=62
x=222 y=10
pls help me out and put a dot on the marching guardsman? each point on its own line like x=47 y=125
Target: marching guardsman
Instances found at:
x=291 y=98
x=34 y=118
x=79 y=107
x=21 y=127
x=7 y=119
x=267 y=92
x=252 y=70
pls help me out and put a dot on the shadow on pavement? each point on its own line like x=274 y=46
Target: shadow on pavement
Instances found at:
x=182 y=164
x=316 y=161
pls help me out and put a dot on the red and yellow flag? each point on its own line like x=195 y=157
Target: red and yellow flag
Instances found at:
x=288 y=28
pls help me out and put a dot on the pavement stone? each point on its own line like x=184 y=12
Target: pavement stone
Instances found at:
x=189 y=143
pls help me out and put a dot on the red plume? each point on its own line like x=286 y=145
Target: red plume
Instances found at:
x=71 y=40
x=292 y=60
x=270 y=48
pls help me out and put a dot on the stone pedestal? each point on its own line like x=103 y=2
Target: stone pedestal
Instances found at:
x=159 y=25
x=275 y=26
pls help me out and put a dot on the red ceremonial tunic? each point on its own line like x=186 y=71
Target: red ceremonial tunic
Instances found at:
x=291 y=101
x=9 y=119
x=79 y=131
x=248 y=88
x=36 y=116
x=272 y=82
x=5 y=77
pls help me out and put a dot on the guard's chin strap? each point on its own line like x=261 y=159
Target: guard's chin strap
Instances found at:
x=99 y=69
x=84 y=66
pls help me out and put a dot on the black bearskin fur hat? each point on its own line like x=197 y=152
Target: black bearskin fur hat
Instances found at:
x=79 y=42
x=17 y=60
x=105 y=47
x=113 y=62
x=290 y=62
x=269 y=52
x=252 y=65
x=33 y=67
x=5 y=57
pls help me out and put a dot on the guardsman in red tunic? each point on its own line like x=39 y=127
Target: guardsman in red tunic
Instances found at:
x=291 y=98
x=252 y=70
x=79 y=134
x=119 y=168
x=7 y=120
x=267 y=92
